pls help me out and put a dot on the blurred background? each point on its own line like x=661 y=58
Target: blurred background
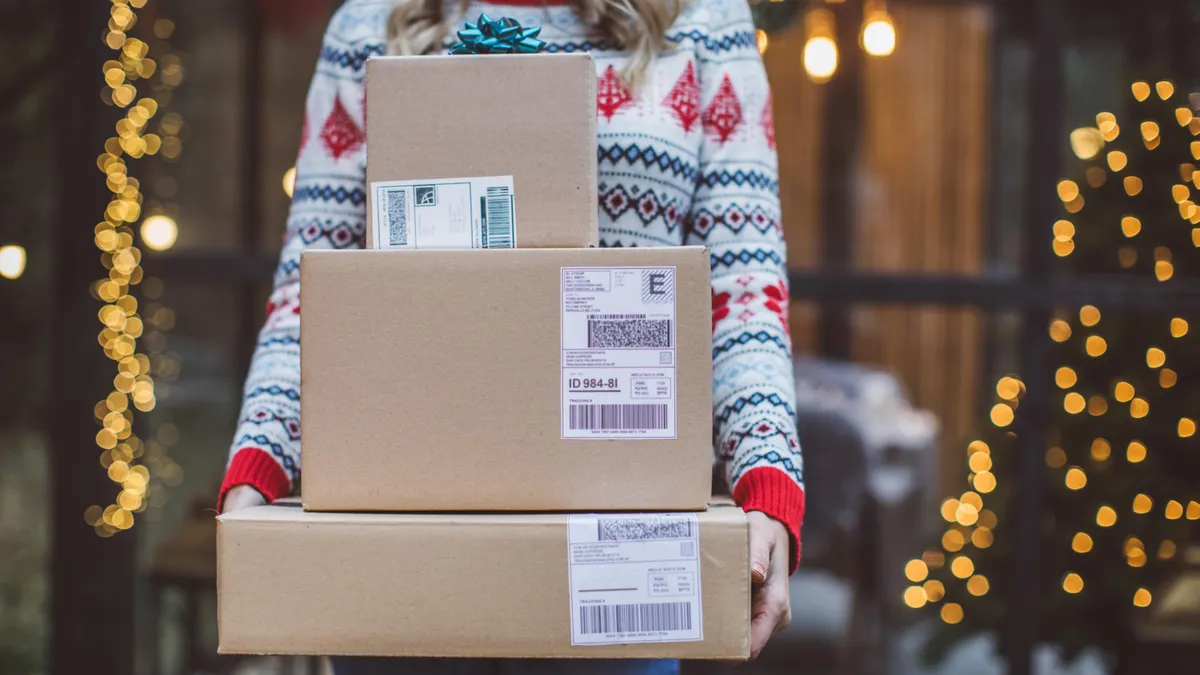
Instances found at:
x=993 y=237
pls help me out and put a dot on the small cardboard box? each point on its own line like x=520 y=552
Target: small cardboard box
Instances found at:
x=507 y=380
x=483 y=585
x=530 y=118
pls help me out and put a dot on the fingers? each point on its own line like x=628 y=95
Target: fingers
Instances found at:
x=770 y=612
x=760 y=553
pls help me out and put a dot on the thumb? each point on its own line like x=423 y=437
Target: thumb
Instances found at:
x=760 y=558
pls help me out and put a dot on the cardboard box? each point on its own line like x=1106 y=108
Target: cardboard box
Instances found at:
x=474 y=585
x=531 y=117
x=438 y=380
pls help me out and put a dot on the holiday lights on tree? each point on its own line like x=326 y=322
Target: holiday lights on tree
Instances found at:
x=1122 y=466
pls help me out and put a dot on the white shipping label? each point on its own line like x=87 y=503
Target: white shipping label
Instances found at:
x=635 y=578
x=618 y=352
x=451 y=213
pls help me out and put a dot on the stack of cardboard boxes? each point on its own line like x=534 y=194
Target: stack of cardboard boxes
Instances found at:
x=507 y=431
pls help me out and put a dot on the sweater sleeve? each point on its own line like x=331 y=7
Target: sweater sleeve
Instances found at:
x=328 y=211
x=735 y=212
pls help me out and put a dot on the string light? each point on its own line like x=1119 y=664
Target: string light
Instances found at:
x=1075 y=479
x=1056 y=458
x=1155 y=357
x=1186 y=428
x=962 y=567
x=1096 y=176
x=953 y=541
x=1174 y=510
x=1086 y=143
x=1065 y=378
x=1167 y=378
x=1089 y=315
x=123 y=323
x=1074 y=403
x=1002 y=415
x=1060 y=331
x=934 y=590
x=1142 y=504
x=1139 y=408
x=978 y=585
x=1141 y=91
x=1095 y=345
x=1133 y=185
x=1081 y=543
x=1131 y=226
x=916 y=571
x=1135 y=452
x=1166 y=550
x=159 y=232
x=1101 y=450
x=12 y=261
x=984 y=481
x=1165 y=89
x=1117 y=160
x=915 y=597
x=1123 y=392
x=1072 y=583
x=1179 y=327
x=1141 y=598
x=982 y=537
x=878 y=37
x=1106 y=516
x=820 y=48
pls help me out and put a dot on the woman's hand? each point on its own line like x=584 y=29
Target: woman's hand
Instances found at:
x=242 y=497
x=771 y=605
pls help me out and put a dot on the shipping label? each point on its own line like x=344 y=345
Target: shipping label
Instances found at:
x=635 y=578
x=618 y=352
x=450 y=213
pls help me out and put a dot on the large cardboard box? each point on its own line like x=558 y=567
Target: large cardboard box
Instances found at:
x=508 y=380
x=484 y=585
x=463 y=134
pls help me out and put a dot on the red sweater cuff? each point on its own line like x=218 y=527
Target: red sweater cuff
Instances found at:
x=258 y=469
x=774 y=493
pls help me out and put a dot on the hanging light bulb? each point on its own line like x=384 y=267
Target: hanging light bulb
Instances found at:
x=878 y=35
x=820 y=47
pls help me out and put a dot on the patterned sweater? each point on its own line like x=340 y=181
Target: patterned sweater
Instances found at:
x=689 y=158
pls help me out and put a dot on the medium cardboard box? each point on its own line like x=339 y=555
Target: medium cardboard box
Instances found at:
x=483 y=585
x=443 y=120
x=507 y=380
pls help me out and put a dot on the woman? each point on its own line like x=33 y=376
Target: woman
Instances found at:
x=686 y=156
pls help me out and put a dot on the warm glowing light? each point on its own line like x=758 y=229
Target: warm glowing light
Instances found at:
x=1095 y=345
x=934 y=590
x=1136 y=452
x=879 y=34
x=1127 y=256
x=1065 y=378
x=1089 y=315
x=1163 y=270
x=289 y=177
x=1117 y=160
x=1082 y=543
x=1096 y=176
x=1167 y=378
x=1068 y=190
x=1002 y=415
x=1072 y=583
x=1008 y=388
x=1056 y=458
x=1187 y=427
x=952 y=613
x=1179 y=193
x=982 y=537
x=1179 y=327
x=915 y=597
x=1165 y=89
x=953 y=540
x=1123 y=392
x=1193 y=510
x=1076 y=479
x=1101 y=450
x=820 y=50
x=1150 y=131
x=1062 y=248
x=977 y=585
x=916 y=571
x=1183 y=116
x=1133 y=185
x=1074 y=403
x=1166 y=550
x=1141 y=90
x=1106 y=516
x=159 y=232
x=1141 y=598
x=949 y=507
x=1075 y=205
x=980 y=462
x=1060 y=331
x=1086 y=142
x=1155 y=357
x=962 y=567
x=1131 y=226
x=985 y=481
x=978 y=446
x=12 y=261
x=1142 y=504
x=1139 y=408
x=966 y=514
x=972 y=499
x=1174 y=510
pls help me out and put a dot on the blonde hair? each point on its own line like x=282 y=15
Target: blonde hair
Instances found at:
x=638 y=26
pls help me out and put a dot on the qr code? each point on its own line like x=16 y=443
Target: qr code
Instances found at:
x=397 y=217
x=658 y=286
x=425 y=195
x=645 y=528
x=629 y=334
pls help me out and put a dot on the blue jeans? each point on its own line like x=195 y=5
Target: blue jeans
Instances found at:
x=362 y=666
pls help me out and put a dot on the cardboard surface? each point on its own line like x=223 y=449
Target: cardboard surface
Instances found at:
x=529 y=116
x=432 y=381
x=463 y=585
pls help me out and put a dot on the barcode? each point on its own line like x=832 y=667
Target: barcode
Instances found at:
x=663 y=616
x=497 y=209
x=622 y=416
x=609 y=317
x=647 y=528
x=629 y=334
x=397 y=217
